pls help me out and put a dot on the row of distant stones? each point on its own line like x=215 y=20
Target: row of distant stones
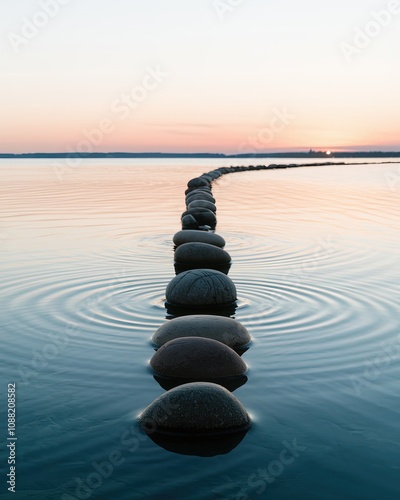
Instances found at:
x=198 y=351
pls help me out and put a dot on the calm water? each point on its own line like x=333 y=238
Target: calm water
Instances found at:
x=86 y=257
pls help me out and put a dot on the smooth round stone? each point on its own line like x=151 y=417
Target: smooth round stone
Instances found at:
x=203 y=189
x=214 y=174
x=201 y=254
x=189 y=235
x=189 y=222
x=201 y=287
x=199 y=196
x=207 y=177
x=202 y=204
x=203 y=216
x=198 y=221
x=197 y=182
x=197 y=358
x=197 y=210
x=197 y=408
x=226 y=330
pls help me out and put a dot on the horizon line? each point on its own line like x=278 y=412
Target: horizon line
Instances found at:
x=155 y=154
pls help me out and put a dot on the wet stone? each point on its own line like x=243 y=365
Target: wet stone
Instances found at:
x=201 y=287
x=202 y=204
x=199 y=196
x=226 y=330
x=197 y=408
x=197 y=359
x=189 y=235
x=203 y=216
x=201 y=254
x=197 y=182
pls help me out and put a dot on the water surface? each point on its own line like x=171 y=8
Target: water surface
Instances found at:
x=86 y=256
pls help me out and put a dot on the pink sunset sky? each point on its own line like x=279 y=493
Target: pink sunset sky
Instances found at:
x=199 y=76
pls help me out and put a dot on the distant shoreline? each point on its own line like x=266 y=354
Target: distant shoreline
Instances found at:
x=314 y=154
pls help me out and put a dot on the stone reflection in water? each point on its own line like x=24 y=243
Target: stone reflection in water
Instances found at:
x=230 y=383
x=176 y=311
x=201 y=446
x=193 y=410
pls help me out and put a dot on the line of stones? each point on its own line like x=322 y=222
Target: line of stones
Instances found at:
x=198 y=349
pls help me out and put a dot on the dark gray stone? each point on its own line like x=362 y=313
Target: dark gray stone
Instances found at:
x=202 y=204
x=197 y=408
x=207 y=177
x=197 y=210
x=203 y=216
x=214 y=174
x=199 y=196
x=201 y=254
x=201 y=287
x=197 y=182
x=197 y=359
x=203 y=189
x=226 y=330
x=189 y=222
x=189 y=235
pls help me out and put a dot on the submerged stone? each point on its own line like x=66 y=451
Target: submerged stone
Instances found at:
x=197 y=408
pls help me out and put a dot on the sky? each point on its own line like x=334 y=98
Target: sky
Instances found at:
x=227 y=76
